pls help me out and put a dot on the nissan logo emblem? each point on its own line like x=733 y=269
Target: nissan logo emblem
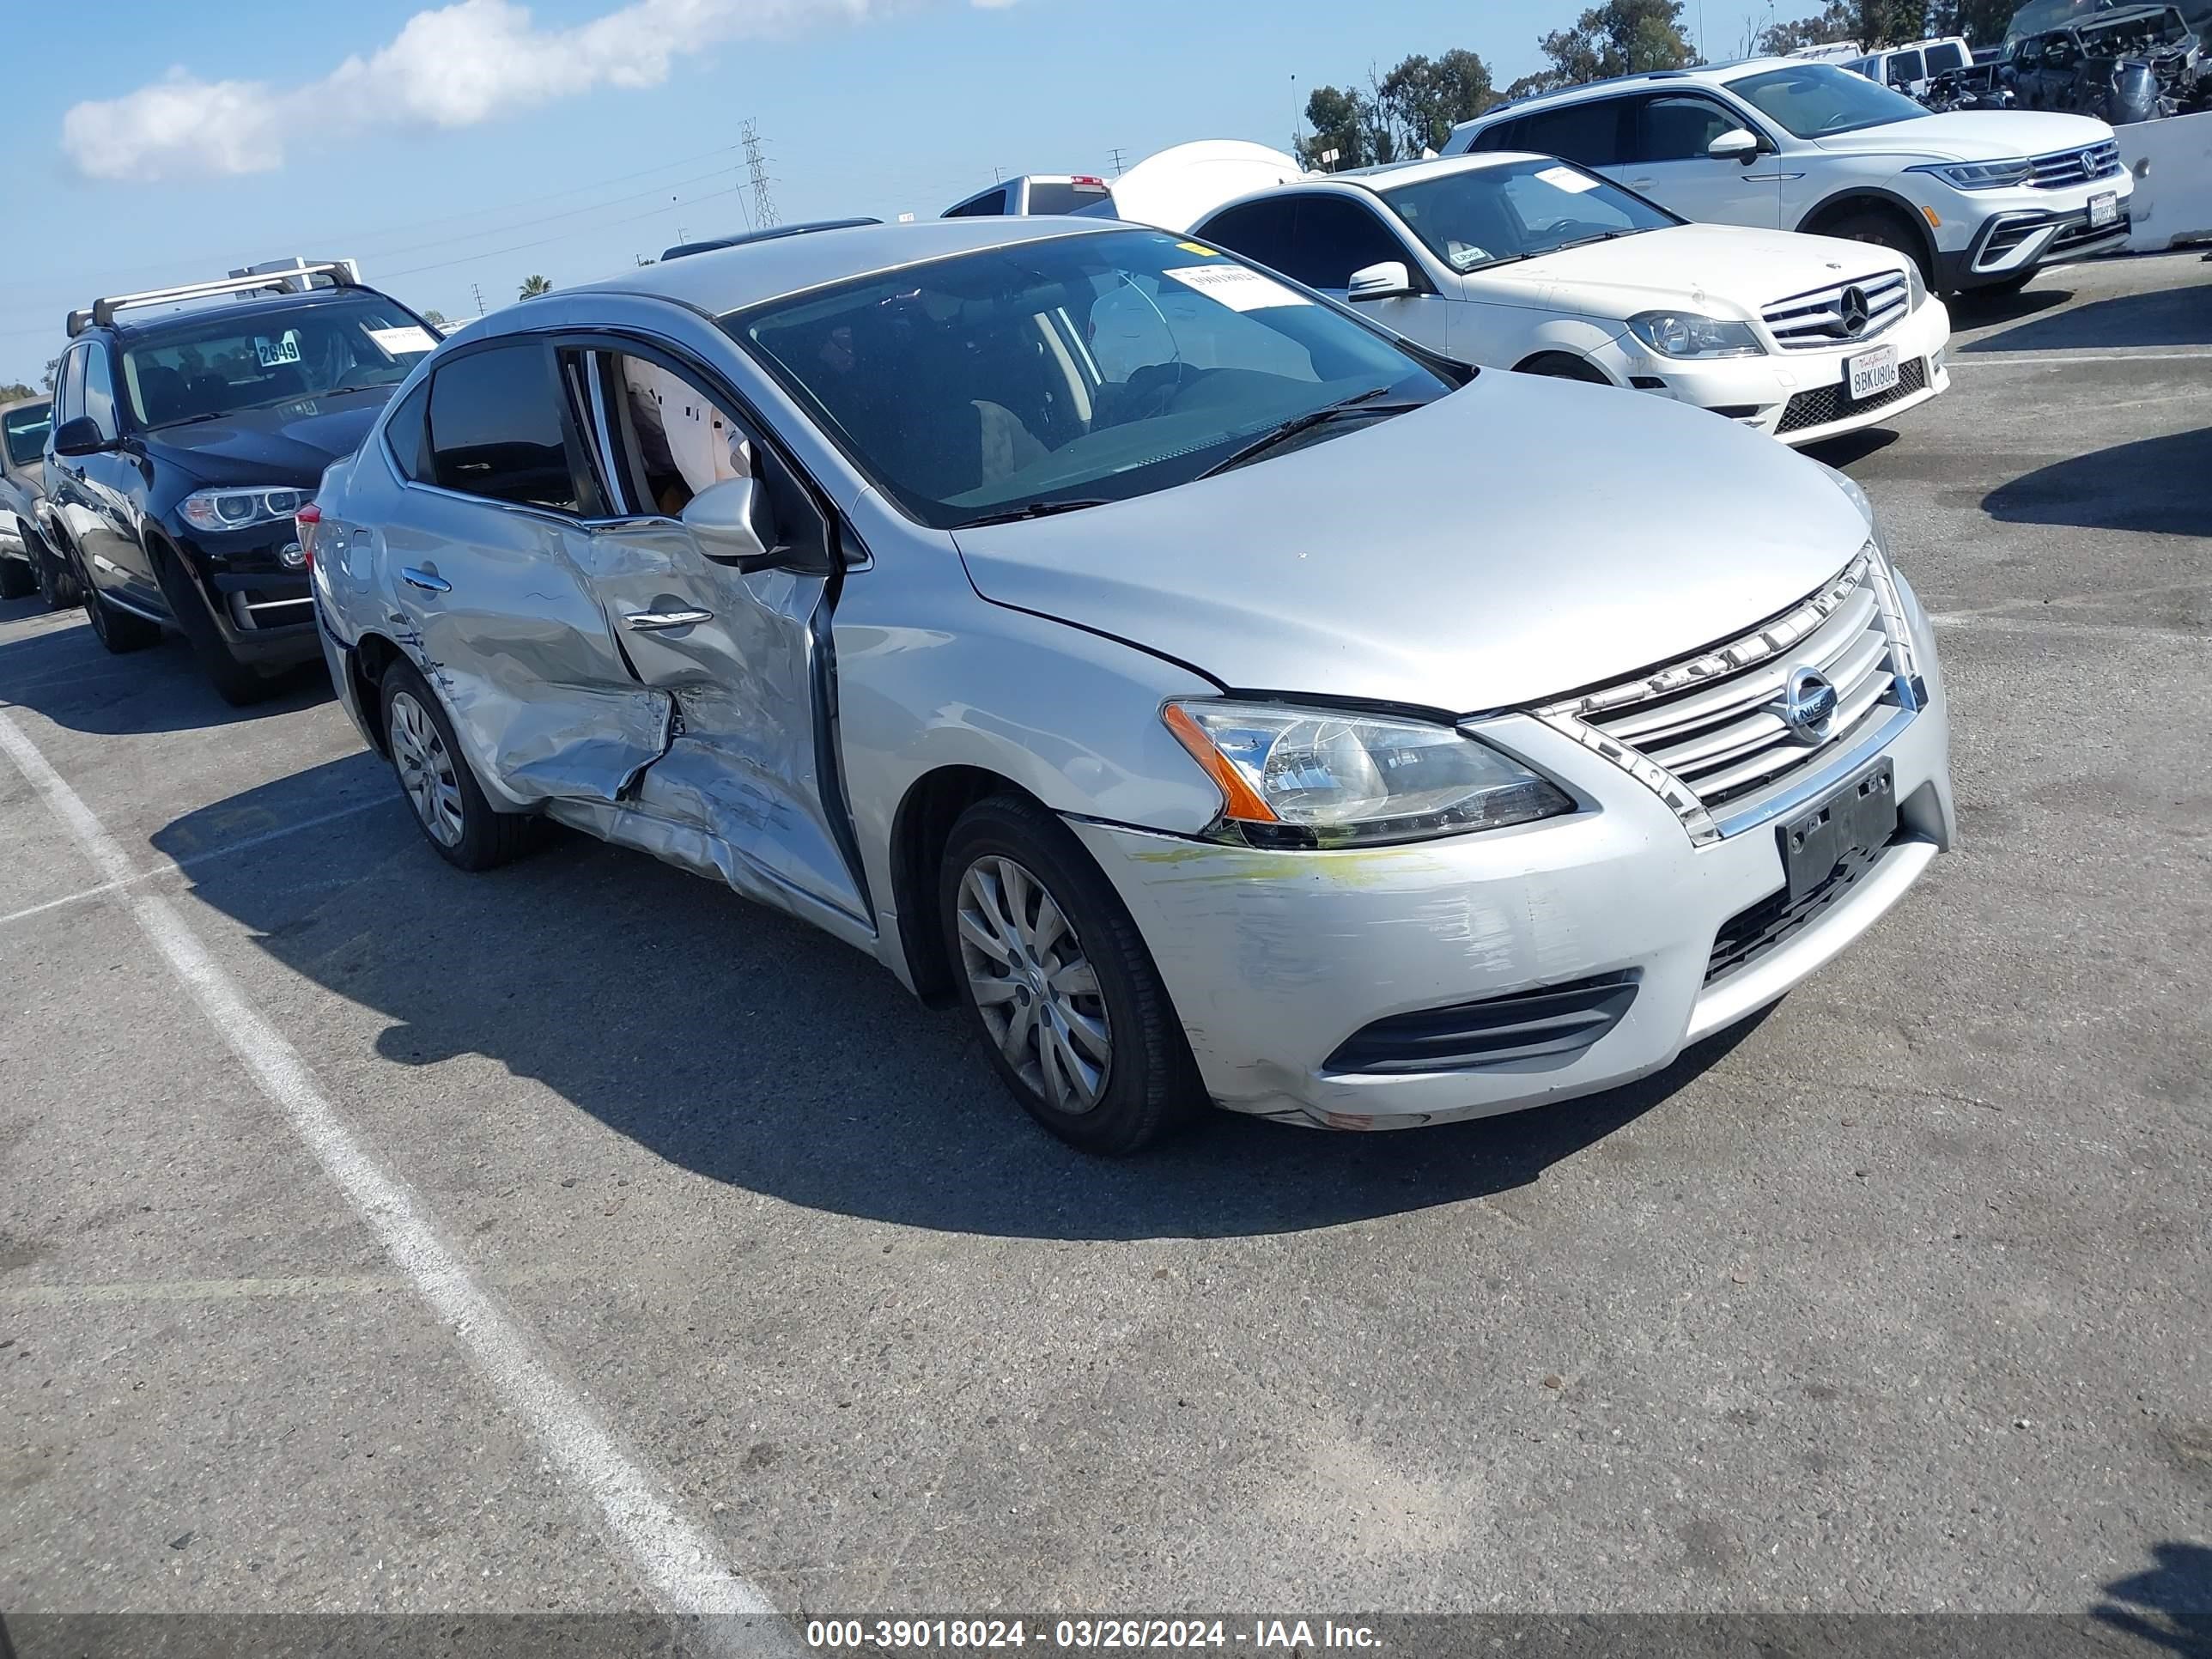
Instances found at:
x=1855 y=309
x=1808 y=704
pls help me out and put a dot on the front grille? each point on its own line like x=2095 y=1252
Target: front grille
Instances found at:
x=1807 y=321
x=1552 y=1022
x=1705 y=732
x=1832 y=403
x=1754 y=930
x=2076 y=166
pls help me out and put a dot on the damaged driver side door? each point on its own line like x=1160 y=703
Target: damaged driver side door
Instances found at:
x=714 y=566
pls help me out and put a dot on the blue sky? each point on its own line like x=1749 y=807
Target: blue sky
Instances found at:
x=490 y=140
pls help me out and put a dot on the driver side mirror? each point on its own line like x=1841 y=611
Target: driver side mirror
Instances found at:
x=1737 y=144
x=1388 y=281
x=80 y=436
x=726 y=519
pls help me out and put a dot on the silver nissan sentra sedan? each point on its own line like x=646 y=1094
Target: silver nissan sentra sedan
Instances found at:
x=1219 y=697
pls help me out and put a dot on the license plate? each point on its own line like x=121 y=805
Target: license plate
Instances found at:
x=1871 y=372
x=1850 y=825
x=2105 y=209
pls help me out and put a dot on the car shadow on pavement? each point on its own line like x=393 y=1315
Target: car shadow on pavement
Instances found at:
x=752 y=1049
x=2179 y=316
x=65 y=674
x=2153 y=484
x=1983 y=308
x=2168 y=1605
x=1852 y=446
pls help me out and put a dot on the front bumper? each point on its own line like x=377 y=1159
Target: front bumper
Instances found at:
x=1799 y=396
x=1275 y=960
x=1998 y=236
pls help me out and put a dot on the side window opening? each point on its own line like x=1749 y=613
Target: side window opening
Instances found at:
x=407 y=434
x=500 y=427
x=668 y=440
x=71 y=386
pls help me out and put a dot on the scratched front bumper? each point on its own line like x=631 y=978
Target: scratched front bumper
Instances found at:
x=1275 y=958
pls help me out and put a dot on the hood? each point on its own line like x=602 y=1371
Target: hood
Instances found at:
x=289 y=444
x=30 y=477
x=1520 y=538
x=1975 y=134
x=1752 y=268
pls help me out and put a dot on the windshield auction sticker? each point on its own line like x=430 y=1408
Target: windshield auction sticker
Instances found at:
x=1237 y=287
x=399 y=342
x=1568 y=178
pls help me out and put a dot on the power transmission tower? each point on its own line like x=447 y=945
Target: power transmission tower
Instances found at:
x=477 y=288
x=1118 y=166
x=756 y=164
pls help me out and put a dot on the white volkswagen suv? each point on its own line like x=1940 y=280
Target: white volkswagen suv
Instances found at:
x=1527 y=263
x=1979 y=198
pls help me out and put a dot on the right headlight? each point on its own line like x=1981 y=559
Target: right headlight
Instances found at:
x=1688 y=334
x=1316 y=777
x=1981 y=175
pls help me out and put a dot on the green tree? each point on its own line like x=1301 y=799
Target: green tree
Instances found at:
x=1425 y=99
x=1621 y=37
x=1877 y=23
x=53 y=367
x=10 y=394
x=436 y=318
x=1339 y=124
x=1411 y=109
x=534 y=286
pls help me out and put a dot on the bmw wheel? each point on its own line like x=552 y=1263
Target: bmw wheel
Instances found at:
x=1055 y=973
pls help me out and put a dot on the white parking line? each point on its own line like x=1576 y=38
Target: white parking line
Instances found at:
x=172 y=866
x=2072 y=359
x=678 y=1565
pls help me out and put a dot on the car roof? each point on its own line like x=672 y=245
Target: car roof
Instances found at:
x=14 y=404
x=1702 y=75
x=1416 y=169
x=768 y=234
x=140 y=319
x=729 y=278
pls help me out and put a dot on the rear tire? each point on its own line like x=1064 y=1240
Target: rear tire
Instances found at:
x=1058 y=980
x=451 y=809
x=57 y=586
x=1882 y=227
x=19 y=578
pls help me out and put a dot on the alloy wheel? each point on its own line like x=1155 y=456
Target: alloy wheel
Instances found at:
x=426 y=769
x=1036 y=991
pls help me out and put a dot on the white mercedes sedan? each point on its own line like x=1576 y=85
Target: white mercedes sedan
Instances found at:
x=1531 y=263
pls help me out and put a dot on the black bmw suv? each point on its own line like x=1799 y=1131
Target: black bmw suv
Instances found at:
x=190 y=424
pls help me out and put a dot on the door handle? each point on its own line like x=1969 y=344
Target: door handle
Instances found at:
x=647 y=621
x=428 y=581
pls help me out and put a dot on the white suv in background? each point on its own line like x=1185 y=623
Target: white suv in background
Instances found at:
x=1979 y=198
x=1530 y=262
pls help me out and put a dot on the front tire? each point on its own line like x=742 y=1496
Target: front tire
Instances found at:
x=118 y=629
x=1881 y=228
x=450 y=805
x=237 y=683
x=1056 y=975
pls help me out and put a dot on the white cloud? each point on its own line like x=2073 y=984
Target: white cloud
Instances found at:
x=452 y=66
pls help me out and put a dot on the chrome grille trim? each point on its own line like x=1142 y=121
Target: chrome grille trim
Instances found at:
x=1703 y=734
x=2063 y=168
x=1815 y=318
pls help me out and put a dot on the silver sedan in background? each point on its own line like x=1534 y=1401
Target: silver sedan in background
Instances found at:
x=1219 y=697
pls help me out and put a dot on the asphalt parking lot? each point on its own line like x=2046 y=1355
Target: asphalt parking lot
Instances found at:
x=1895 y=1299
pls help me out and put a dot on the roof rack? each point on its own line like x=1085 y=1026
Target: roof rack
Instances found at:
x=286 y=276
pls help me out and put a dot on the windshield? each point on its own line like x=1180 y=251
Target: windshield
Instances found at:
x=1817 y=101
x=1478 y=216
x=26 y=432
x=218 y=364
x=1084 y=368
x=2135 y=34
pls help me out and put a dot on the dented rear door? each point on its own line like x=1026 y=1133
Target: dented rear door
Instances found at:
x=481 y=565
